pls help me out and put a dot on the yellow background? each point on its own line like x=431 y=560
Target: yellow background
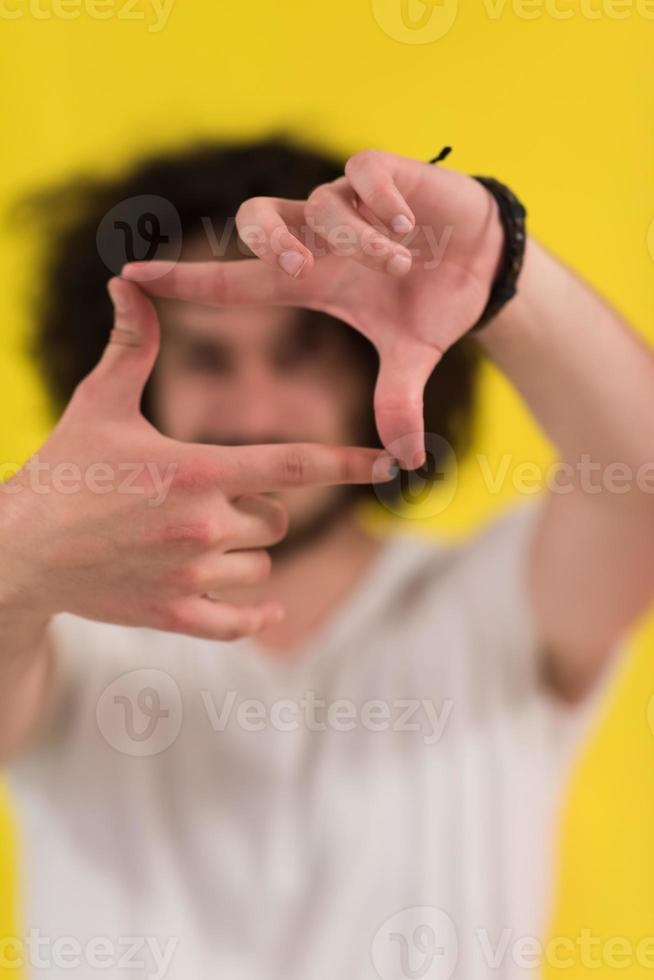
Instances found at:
x=559 y=107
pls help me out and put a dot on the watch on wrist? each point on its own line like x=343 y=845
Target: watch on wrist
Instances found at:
x=513 y=216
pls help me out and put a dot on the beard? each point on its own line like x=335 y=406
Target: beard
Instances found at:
x=304 y=531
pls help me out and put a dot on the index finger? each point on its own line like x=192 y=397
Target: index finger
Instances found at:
x=236 y=283
x=258 y=469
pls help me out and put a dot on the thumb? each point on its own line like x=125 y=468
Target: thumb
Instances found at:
x=403 y=373
x=132 y=349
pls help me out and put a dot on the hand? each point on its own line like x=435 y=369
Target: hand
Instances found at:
x=115 y=522
x=404 y=251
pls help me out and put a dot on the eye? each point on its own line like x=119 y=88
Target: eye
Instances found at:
x=301 y=350
x=205 y=359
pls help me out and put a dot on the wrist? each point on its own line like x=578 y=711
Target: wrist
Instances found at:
x=508 y=228
x=22 y=619
x=523 y=332
x=23 y=642
x=23 y=628
x=20 y=593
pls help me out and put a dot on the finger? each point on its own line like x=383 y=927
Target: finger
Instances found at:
x=126 y=364
x=256 y=522
x=217 y=571
x=371 y=175
x=257 y=469
x=246 y=282
x=403 y=374
x=263 y=224
x=211 y=620
x=330 y=212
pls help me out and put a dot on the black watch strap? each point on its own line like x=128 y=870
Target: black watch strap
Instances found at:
x=513 y=216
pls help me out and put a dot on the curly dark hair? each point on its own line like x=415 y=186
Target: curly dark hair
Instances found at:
x=73 y=315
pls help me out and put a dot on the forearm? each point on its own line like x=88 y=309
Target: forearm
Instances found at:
x=589 y=381
x=25 y=646
x=25 y=662
x=585 y=375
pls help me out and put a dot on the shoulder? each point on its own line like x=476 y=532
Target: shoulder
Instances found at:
x=490 y=562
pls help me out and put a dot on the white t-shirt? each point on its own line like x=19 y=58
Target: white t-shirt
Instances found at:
x=383 y=805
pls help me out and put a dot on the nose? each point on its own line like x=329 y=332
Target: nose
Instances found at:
x=256 y=402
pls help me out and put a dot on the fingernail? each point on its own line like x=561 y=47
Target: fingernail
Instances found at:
x=292 y=263
x=401 y=224
x=119 y=295
x=147 y=271
x=394 y=467
x=135 y=270
x=398 y=265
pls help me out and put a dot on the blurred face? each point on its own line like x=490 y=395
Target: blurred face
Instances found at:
x=237 y=376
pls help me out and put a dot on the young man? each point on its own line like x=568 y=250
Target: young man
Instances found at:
x=369 y=786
